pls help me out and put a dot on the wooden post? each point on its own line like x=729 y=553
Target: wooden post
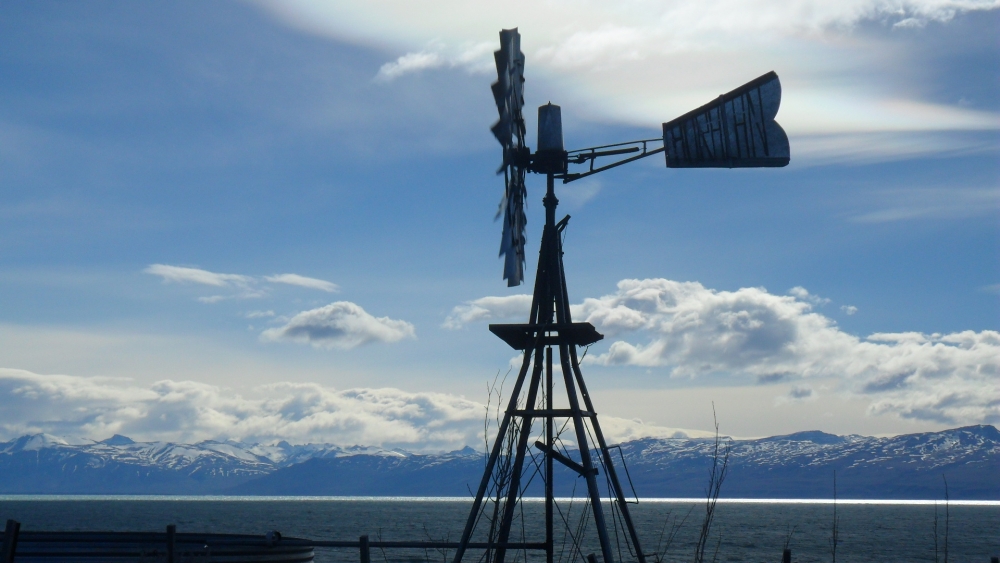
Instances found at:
x=786 y=556
x=994 y=559
x=171 y=542
x=366 y=553
x=10 y=541
x=592 y=558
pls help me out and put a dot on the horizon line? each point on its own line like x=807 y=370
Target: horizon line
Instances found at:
x=658 y=500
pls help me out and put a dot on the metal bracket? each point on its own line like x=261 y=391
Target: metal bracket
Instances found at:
x=592 y=154
x=562 y=224
x=565 y=460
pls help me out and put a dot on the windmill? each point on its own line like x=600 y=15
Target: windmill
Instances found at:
x=736 y=130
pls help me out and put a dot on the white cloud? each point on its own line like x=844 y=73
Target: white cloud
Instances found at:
x=339 y=325
x=691 y=331
x=302 y=281
x=839 y=80
x=849 y=309
x=489 y=308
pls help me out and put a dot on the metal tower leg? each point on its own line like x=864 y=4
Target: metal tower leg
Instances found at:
x=514 y=486
x=590 y=472
x=608 y=463
x=470 y=524
x=612 y=474
x=549 y=441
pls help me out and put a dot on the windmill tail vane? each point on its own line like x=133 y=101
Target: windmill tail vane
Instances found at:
x=736 y=130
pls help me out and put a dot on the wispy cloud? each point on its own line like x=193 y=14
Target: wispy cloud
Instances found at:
x=183 y=274
x=691 y=331
x=577 y=194
x=243 y=286
x=410 y=62
x=342 y=325
x=931 y=204
x=885 y=146
x=259 y=314
x=475 y=58
x=303 y=281
x=802 y=294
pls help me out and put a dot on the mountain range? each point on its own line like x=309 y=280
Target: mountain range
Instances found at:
x=799 y=465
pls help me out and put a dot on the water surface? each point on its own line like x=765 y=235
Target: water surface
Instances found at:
x=743 y=531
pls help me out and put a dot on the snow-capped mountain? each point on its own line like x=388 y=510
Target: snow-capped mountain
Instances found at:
x=802 y=465
x=798 y=465
x=48 y=464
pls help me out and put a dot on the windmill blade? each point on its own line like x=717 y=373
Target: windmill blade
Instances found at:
x=500 y=95
x=514 y=221
x=509 y=130
x=737 y=130
x=502 y=130
x=501 y=58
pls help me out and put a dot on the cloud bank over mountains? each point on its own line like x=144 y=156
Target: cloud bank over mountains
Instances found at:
x=691 y=331
x=187 y=411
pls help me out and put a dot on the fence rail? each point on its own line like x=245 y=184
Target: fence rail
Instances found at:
x=173 y=547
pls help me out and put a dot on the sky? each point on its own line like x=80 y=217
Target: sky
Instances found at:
x=264 y=220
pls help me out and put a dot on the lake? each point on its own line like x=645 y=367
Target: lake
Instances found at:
x=743 y=530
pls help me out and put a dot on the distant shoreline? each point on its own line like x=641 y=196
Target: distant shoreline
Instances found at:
x=244 y=498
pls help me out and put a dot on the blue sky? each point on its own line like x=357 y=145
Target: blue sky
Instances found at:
x=164 y=168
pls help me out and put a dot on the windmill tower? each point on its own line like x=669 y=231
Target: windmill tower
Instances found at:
x=735 y=130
